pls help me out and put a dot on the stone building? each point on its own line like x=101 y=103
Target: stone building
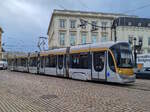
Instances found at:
x=64 y=28
x=127 y=29
x=1 y=31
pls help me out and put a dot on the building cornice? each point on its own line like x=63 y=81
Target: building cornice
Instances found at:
x=91 y=13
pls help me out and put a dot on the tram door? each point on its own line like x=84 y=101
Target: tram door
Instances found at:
x=60 y=65
x=98 y=65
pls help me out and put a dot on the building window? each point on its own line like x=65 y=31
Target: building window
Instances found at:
x=83 y=38
x=140 y=39
x=72 y=23
x=62 y=38
x=83 y=27
x=72 y=39
x=129 y=23
x=139 y=24
x=104 y=25
x=62 y=23
x=104 y=37
x=149 y=41
x=94 y=24
x=83 y=24
x=94 y=38
x=148 y=51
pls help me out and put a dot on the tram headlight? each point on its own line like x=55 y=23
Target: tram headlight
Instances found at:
x=120 y=72
x=125 y=71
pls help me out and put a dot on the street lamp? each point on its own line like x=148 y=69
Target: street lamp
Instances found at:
x=140 y=43
x=135 y=55
x=137 y=48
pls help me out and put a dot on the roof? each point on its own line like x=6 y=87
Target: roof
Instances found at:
x=92 y=47
x=74 y=49
x=53 y=52
x=21 y=55
x=131 y=21
x=86 y=13
x=33 y=54
x=81 y=48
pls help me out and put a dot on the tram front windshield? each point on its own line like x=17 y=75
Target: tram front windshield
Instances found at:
x=123 y=55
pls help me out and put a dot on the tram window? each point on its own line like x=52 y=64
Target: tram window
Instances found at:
x=99 y=59
x=33 y=62
x=79 y=61
x=75 y=61
x=15 y=62
x=47 y=61
x=9 y=62
x=84 y=61
x=52 y=61
x=26 y=61
x=111 y=62
x=23 y=62
x=18 y=62
x=60 y=61
x=30 y=62
x=42 y=61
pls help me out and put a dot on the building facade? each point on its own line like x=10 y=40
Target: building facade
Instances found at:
x=65 y=30
x=128 y=29
x=1 y=31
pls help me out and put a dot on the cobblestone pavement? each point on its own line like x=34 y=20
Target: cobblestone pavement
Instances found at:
x=22 y=92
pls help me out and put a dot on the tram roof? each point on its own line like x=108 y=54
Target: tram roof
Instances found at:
x=33 y=54
x=53 y=52
x=21 y=56
x=93 y=47
x=81 y=48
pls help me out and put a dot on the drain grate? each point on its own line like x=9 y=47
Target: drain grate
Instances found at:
x=45 y=97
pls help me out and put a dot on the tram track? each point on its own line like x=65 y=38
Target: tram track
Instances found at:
x=136 y=86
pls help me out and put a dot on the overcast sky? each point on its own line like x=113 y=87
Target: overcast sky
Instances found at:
x=23 y=21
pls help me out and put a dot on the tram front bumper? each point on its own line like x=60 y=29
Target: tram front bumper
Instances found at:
x=128 y=79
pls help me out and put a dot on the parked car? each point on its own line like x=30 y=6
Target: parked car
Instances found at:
x=143 y=73
x=143 y=66
x=3 y=65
